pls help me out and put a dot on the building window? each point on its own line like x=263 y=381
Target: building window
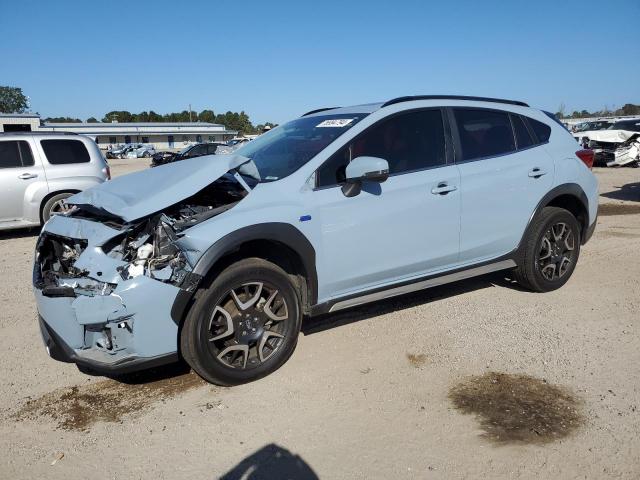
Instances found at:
x=113 y=140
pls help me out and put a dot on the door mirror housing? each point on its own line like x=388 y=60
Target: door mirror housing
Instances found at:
x=371 y=169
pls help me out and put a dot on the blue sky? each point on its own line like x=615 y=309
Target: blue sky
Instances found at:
x=278 y=59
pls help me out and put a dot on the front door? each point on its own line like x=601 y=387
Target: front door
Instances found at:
x=398 y=230
x=18 y=174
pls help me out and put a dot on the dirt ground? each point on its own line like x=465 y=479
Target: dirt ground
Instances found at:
x=474 y=380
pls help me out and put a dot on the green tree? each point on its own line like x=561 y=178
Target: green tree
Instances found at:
x=119 y=115
x=62 y=120
x=92 y=120
x=207 y=116
x=12 y=100
x=155 y=117
x=630 y=109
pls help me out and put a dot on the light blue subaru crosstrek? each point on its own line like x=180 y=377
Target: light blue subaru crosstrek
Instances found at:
x=217 y=259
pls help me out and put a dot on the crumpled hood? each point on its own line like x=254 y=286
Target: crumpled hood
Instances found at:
x=615 y=136
x=139 y=194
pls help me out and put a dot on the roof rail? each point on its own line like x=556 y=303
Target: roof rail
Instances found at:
x=39 y=132
x=452 y=97
x=318 y=111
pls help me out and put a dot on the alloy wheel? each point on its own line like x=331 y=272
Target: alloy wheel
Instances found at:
x=61 y=206
x=247 y=325
x=557 y=251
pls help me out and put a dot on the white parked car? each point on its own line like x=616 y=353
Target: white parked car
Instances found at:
x=39 y=171
x=605 y=142
x=141 y=151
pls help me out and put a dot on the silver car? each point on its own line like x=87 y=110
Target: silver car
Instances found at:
x=140 y=151
x=38 y=171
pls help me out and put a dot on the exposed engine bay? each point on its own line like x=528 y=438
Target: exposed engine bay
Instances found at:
x=147 y=246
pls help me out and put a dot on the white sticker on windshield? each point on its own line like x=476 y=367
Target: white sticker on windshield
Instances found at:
x=336 y=122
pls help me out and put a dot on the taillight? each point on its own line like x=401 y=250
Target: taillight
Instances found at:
x=586 y=155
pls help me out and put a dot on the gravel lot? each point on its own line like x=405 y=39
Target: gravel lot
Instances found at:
x=430 y=385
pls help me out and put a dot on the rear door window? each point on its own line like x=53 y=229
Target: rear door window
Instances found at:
x=15 y=153
x=483 y=133
x=408 y=141
x=62 y=152
x=523 y=137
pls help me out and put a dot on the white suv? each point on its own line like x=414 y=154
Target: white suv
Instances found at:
x=38 y=171
x=217 y=259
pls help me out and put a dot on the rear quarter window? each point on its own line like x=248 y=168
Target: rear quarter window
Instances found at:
x=542 y=130
x=64 y=152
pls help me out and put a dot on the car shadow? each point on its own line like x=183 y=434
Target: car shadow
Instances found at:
x=19 y=233
x=629 y=192
x=270 y=462
x=151 y=375
x=177 y=372
x=333 y=320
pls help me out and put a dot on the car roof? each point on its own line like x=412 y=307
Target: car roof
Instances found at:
x=38 y=134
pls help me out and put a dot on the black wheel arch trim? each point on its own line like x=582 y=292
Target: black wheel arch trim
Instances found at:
x=283 y=233
x=574 y=190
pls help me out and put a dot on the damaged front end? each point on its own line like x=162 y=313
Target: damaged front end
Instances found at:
x=105 y=286
x=628 y=153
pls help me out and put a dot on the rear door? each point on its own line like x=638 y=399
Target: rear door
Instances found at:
x=20 y=178
x=402 y=228
x=504 y=173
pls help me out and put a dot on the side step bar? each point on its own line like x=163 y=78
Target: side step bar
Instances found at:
x=420 y=285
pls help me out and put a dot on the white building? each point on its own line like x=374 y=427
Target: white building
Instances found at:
x=162 y=135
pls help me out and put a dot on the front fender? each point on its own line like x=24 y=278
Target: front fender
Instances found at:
x=280 y=232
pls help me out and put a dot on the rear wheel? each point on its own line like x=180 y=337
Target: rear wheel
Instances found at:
x=244 y=326
x=550 y=252
x=55 y=204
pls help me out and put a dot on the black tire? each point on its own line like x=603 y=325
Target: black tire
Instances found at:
x=53 y=205
x=146 y=155
x=206 y=334
x=541 y=273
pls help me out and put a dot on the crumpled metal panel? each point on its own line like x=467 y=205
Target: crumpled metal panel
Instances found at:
x=95 y=232
x=139 y=194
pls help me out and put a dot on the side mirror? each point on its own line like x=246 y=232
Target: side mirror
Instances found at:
x=361 y=169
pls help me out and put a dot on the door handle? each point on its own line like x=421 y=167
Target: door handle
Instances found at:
x=443 y=188
x=537 y=172
x=27 y=176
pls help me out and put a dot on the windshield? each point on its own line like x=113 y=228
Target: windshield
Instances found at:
x=632 y=126
x=284 y=149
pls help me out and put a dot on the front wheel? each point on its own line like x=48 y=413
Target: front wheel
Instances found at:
x=244 y=326
x=550 y=251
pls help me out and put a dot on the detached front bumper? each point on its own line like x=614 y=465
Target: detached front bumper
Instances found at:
x=122 y=328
